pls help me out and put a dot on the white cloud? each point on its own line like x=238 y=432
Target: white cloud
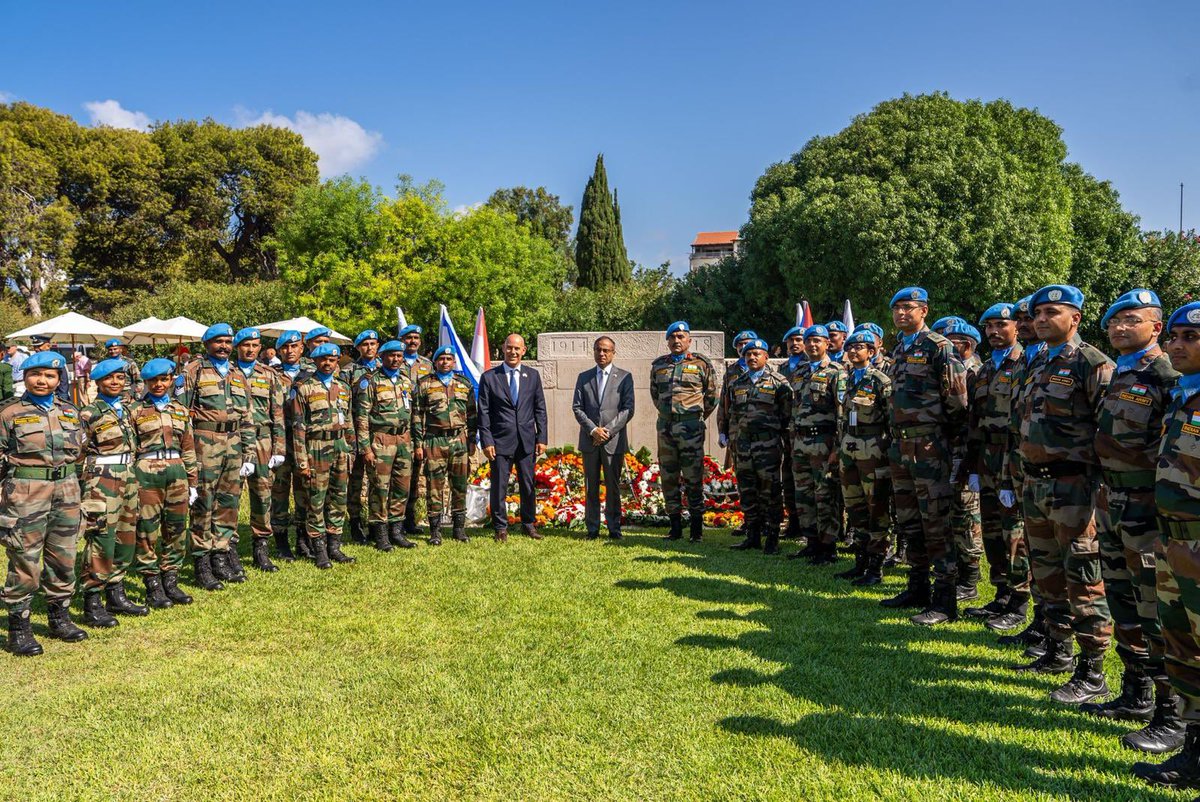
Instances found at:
x=6 y=97
x=112 y=114
x=340 y=143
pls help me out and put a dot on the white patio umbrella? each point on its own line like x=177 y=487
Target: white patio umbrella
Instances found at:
x=177 y=329
x=301 y=324
x=70 y=326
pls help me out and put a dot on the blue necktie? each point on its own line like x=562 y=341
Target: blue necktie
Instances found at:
x=512 y=386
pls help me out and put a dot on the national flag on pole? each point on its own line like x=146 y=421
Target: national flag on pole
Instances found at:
x=848 y=316
x=401 y=322
x=480 y=350
x=462 y=362
x=804 y=317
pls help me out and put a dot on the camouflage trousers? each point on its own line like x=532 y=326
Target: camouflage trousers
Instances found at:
x=356 y=488
x=758 y=457
x=1129 y=539
x=162 y=515
x=1003 y=533
x=816 y=512
x=681 y=458
x=1179 y=614
x=215 y=513
x=967 y=527
x=920 y=468
x=110 y=516
x=259 y=485
x=789 y=480
x=867 y=489
x=39 y=527
x=286 y=485
x=325 y=504
x=446 y=462
x=1060 y=525
x=390 y=477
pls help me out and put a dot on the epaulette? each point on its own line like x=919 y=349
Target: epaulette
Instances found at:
x=1094 y=356
x=8 y=402
x=701 y=357
x=1160 y=368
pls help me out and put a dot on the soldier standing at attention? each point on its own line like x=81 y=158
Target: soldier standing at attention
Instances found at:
x=683 y=388
x=444 y=424
x=166 y=475
x=382 y=419
x=365 y=363
x=929 y=406
x=264 y=387
x=133 y=377
x=1058 y=417
x=837 y=339
x=728 y=439
x=964 y=511
x=40 y=445
x=286 y=485
x=324 y=439
x=415 y=367
x=759 y=412
x=794 y=344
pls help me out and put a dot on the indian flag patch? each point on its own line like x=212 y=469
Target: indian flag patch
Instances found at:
x=1139 y=389
x=1064 y=371
x=1196 y=418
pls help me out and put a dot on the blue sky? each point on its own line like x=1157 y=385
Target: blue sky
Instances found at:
x=689 y=101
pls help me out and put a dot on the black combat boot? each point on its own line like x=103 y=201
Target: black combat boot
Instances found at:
x=20 y=635
x=61 y=625
x=811 y=546
x=697 y=529
x=218 y=563
x=304 y=548
x=1181 y=770
x=233 y=562
x=915 y=594
x=899 y=555
x=1086 y=684
x=458 y=522
x=320 y=553
x=753 y=539
x=1136 y=701
x=997 y=606
x=1165 y=731
x=334 y=545
x=116 y=602
x=262 y=556
x=1057 y=659
x=968 y=582
x=356 y=531
x=943 y=609
x=771 y=545
x=859 y=568
x=94 y=614
x=379 y=536
x=1033 y=634
x=154 y=592
x=282 y=548
x=826 y=554
x=170 y=586
x=676 y=530
x=410 y=520
x=396 y=533
x=205 y=579
x=873 y=574
x=435 y=530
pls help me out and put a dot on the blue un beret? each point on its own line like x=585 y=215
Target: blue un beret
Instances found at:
x=112 y=342
x=1188 y=315
x=1057 y=294
x=794 y=331
x=963 y=329
x=755 y=343
x=874 y=328
x=391 y=345
x=910 y=294
x=941 y=323
x=861 y=335
x=1000 y=311
x=836 y=325
x=445 y=349
x=248 y=333
x=411 y=328
x=217 y=330
x=107 y=367
x=157 y=367
x=1022 y=306
x=678 y=325
x=365 y=334
x=1134 y=299
x=325 y=349
x=816 y=331
x=745 y=335
x=319 y=331
x=289 y=336
x=44 y=359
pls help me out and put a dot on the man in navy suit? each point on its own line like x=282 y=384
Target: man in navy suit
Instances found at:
x=512 y=430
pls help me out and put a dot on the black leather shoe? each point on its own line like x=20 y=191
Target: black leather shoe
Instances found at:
x=1165 y=732
x=676 y=530
x=320 y=553
x=1086 y=684
x=1181 y=770
x=282 y=548
x=116 y=602
x=94 y=614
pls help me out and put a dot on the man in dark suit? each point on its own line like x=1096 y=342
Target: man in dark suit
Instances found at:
x=512 y=430
x=603 y=404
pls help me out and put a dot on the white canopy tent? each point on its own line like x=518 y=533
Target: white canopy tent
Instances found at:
x=301 y=324
x=151 y=330
x=69 y=326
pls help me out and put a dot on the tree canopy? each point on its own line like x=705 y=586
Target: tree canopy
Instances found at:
x=600 y=254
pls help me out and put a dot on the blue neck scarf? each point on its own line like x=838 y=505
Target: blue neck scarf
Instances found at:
x=756 y=374
x=1055 y=351
x=836 y=356
x=113 y=401
x=741 y=363
x=222 y=365
x=1127 y=362
x=411 y=358
x=857 y=375
x=43 y=402
x=159 y=401
x=370 y=364
x=998 y=356
x=247 y=367
x=290 y=369
x=391 y=374
x=816 y=365
x=795 y=362
x=1033 y=350
x=907 y=340
x=445 y=378
x=1185 y=387
x=677 y=357
x=325 y=378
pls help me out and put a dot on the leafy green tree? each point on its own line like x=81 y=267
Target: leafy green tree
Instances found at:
x=248 y=303
x=540 y=210
x=1170 y=266
x=599 y=244
x=641 y=304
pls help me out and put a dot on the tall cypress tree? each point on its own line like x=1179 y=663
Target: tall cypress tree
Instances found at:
x=599 y=244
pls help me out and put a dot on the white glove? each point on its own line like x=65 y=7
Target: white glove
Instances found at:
x=193 y=494
x=247 y=469
x=723 y=440
x=275 y=461
x=1007 y=498
x=973 y=482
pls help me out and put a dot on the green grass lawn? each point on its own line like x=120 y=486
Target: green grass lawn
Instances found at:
x=562 y=669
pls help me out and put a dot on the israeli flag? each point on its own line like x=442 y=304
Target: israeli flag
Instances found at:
x=462 y=360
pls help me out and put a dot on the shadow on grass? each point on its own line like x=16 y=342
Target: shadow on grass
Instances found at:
x=893 y=697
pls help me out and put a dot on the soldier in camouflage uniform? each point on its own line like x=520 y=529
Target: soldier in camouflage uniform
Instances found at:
x=444 y=423
x=109 y=499
x=134 y=388
x=40 y=445
x=216 y=395
x=881 y=359
x=817 y=388
x=1059 y=413
x=794 y=343
x=1177 y=501
x=415 y=367
x=166 y=475
x=382 y=420
x=1127 y=442
x=732 y=371
x=286 y=484
x=683 y=388
x=863 y=452
x=759 y=411
x=324 y=438
x=313 y=339
x=964 y=510
x=264 y=386
x=366 y=363
x=929 y=405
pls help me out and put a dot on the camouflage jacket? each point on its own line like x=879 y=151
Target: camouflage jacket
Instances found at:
x=732 y=372
x=865 y=415
x=31 y=437
x=438 y=408
x=352 y=375
x=758 y=408
x=1177 y=487
x=416 y=371
x=1060 y=404
x=683 y=389
x=382 y=403
x=817 y=393
x=266 y=406
x=286 y=382
x=929 y=387
x=320 y=414
x=134 y=388
x=107 y=432
x=215 y=400
x=168 y=429
x=990 y=412
x=1130 y=426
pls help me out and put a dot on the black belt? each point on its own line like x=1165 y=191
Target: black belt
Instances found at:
x=1056 y=470
x=444 y=432
x=995 y=438
x=218 y=426
x=920 y=430
x=815 y=431
x=335 y=435
x=682 y=417
x=866 y=429
x=759 y=436
x=396 y=430
x=1130 y=480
